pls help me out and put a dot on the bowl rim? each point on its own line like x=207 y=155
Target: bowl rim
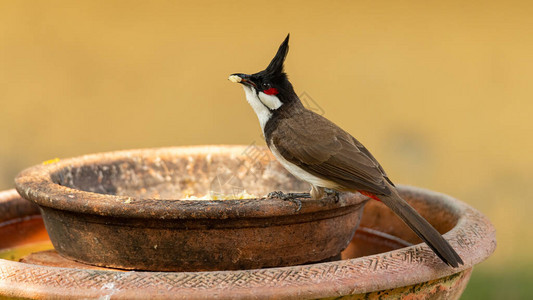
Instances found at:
x=35 y=184
x=473 y=237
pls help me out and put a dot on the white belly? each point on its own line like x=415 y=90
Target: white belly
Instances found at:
x=301 y=173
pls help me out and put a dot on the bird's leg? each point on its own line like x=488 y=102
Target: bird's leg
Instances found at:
x=335 y=194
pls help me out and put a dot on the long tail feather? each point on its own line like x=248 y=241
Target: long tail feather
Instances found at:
x=422 y=228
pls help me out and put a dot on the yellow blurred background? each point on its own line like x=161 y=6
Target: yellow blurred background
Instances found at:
x=440 y=92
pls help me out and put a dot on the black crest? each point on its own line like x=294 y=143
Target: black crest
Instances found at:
x=276 y=65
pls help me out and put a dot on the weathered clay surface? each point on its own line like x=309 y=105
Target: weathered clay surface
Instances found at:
x=123 y=210
x=11 y=212
x=413 y=272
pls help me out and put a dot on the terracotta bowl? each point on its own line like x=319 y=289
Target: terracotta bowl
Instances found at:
x=377 y=264
x=127 y=210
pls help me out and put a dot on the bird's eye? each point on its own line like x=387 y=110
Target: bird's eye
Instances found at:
x=268 y=89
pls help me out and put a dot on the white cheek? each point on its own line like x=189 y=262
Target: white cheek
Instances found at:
x=270 y=100
x=263 y=113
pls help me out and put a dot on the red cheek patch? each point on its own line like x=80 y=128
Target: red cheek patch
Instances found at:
x=271 y=91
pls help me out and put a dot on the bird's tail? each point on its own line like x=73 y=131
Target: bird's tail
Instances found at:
x=422 y=228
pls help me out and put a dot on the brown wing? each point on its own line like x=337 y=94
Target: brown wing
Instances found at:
x=327 y=151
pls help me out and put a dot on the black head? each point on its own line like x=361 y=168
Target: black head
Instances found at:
x=273 y=80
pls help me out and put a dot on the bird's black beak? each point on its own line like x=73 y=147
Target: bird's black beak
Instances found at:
x=242 y=78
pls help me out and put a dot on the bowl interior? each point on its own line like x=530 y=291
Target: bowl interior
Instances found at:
x=177 y=173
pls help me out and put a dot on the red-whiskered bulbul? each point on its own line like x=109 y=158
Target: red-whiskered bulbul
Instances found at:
x=316 y=150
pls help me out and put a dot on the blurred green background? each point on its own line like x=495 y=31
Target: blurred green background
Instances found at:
x=440 y=92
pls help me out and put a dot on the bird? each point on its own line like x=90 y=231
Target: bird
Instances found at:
x=316 y=150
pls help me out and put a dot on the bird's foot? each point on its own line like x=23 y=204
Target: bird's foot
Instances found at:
x=287 y=196
x=276 y=194
x=292 y=197
x=334 y=193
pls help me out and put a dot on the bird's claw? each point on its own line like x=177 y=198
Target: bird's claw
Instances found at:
x=292 y=197
x=295 y=201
